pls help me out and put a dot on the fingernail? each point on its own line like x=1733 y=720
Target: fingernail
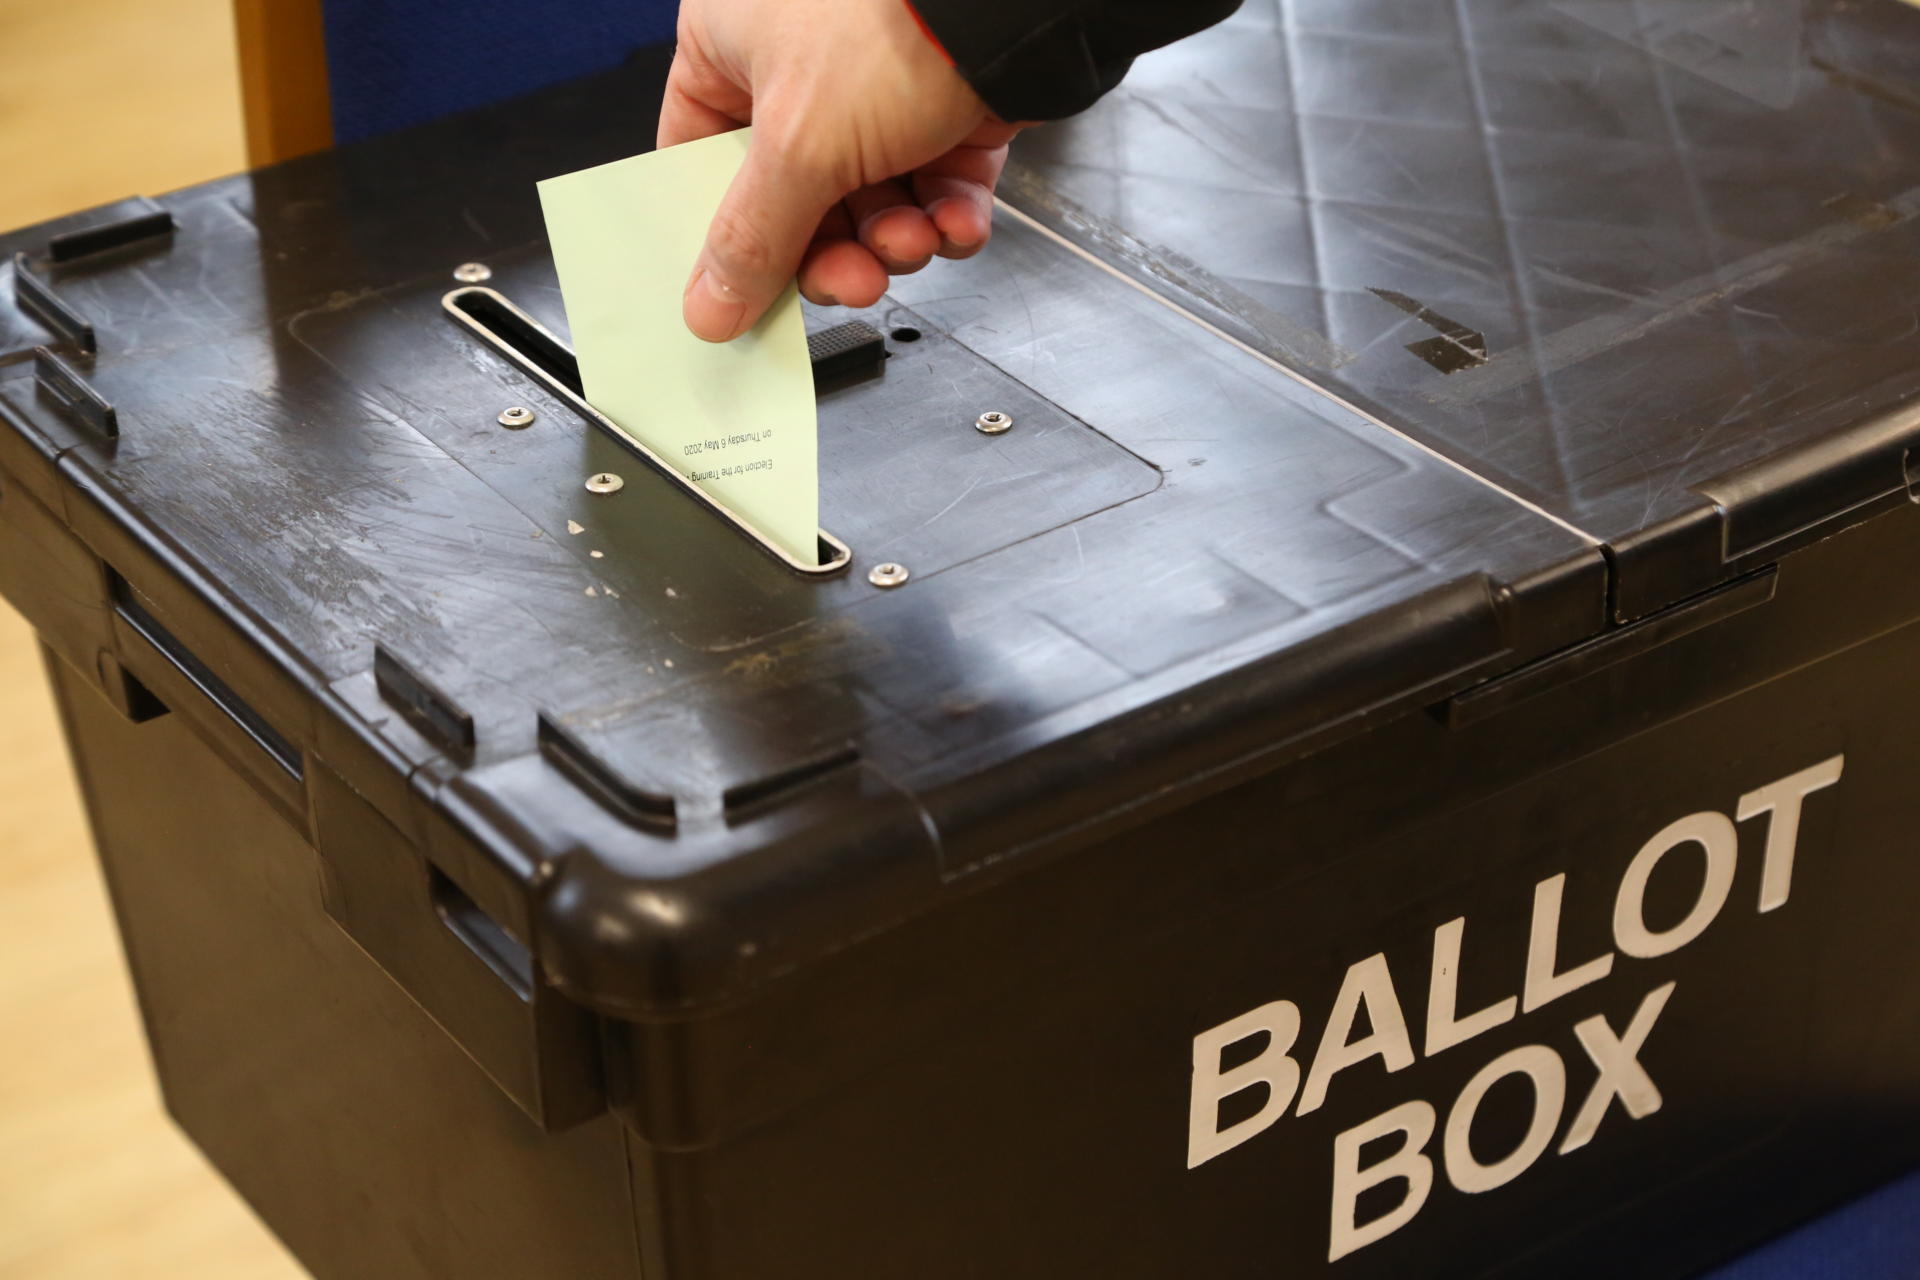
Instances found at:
x=970 y=240
x=714 y=310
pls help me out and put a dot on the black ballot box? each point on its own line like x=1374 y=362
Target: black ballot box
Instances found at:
x=1397 y=762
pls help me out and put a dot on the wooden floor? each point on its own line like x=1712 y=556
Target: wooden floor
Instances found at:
x=98 y=99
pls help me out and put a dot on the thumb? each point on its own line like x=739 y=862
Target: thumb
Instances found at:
x=756 y=240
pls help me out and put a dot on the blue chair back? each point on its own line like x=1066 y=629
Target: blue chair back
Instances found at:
x=392 y=65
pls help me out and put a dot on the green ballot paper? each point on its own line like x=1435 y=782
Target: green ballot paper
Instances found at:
x=738 y=419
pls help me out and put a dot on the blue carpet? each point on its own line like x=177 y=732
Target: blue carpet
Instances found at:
x=1877 y=1237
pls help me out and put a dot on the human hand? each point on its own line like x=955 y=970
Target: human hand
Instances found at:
x=870 y=153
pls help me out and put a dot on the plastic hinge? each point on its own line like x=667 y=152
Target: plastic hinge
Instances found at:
x=601 y=781
x=37 y=298
x=1236 y=725
x=1783 y=499
x=442 y=720
x=744 y=796
x=70 y=246
x=1755 y=514
x=1609 y=649
x=72 y=396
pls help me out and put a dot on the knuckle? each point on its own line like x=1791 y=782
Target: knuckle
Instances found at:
x=740 y=246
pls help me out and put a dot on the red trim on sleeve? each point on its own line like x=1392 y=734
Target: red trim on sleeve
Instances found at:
x=927 y=31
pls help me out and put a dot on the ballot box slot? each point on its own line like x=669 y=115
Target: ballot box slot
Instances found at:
x=531 y=344
x=538 y=351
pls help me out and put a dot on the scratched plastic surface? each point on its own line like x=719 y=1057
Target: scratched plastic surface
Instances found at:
x=302 y=423
x=1186 y=619
x=1631 y=245
x=1643 y=262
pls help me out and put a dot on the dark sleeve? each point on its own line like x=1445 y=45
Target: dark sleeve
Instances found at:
x=1043 y=59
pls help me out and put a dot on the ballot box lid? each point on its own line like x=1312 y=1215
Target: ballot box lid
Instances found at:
x=1653 y=268
x=256 y=469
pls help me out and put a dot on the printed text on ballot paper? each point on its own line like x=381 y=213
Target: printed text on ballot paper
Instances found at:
x=734 y=444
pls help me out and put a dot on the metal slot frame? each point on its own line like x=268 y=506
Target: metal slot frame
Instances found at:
x=835 y=555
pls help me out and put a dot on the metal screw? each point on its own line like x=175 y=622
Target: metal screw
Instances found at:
x=473 y=273
x=992 y=423
x=605 y=482
x=516 y=417
x=888 y=574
